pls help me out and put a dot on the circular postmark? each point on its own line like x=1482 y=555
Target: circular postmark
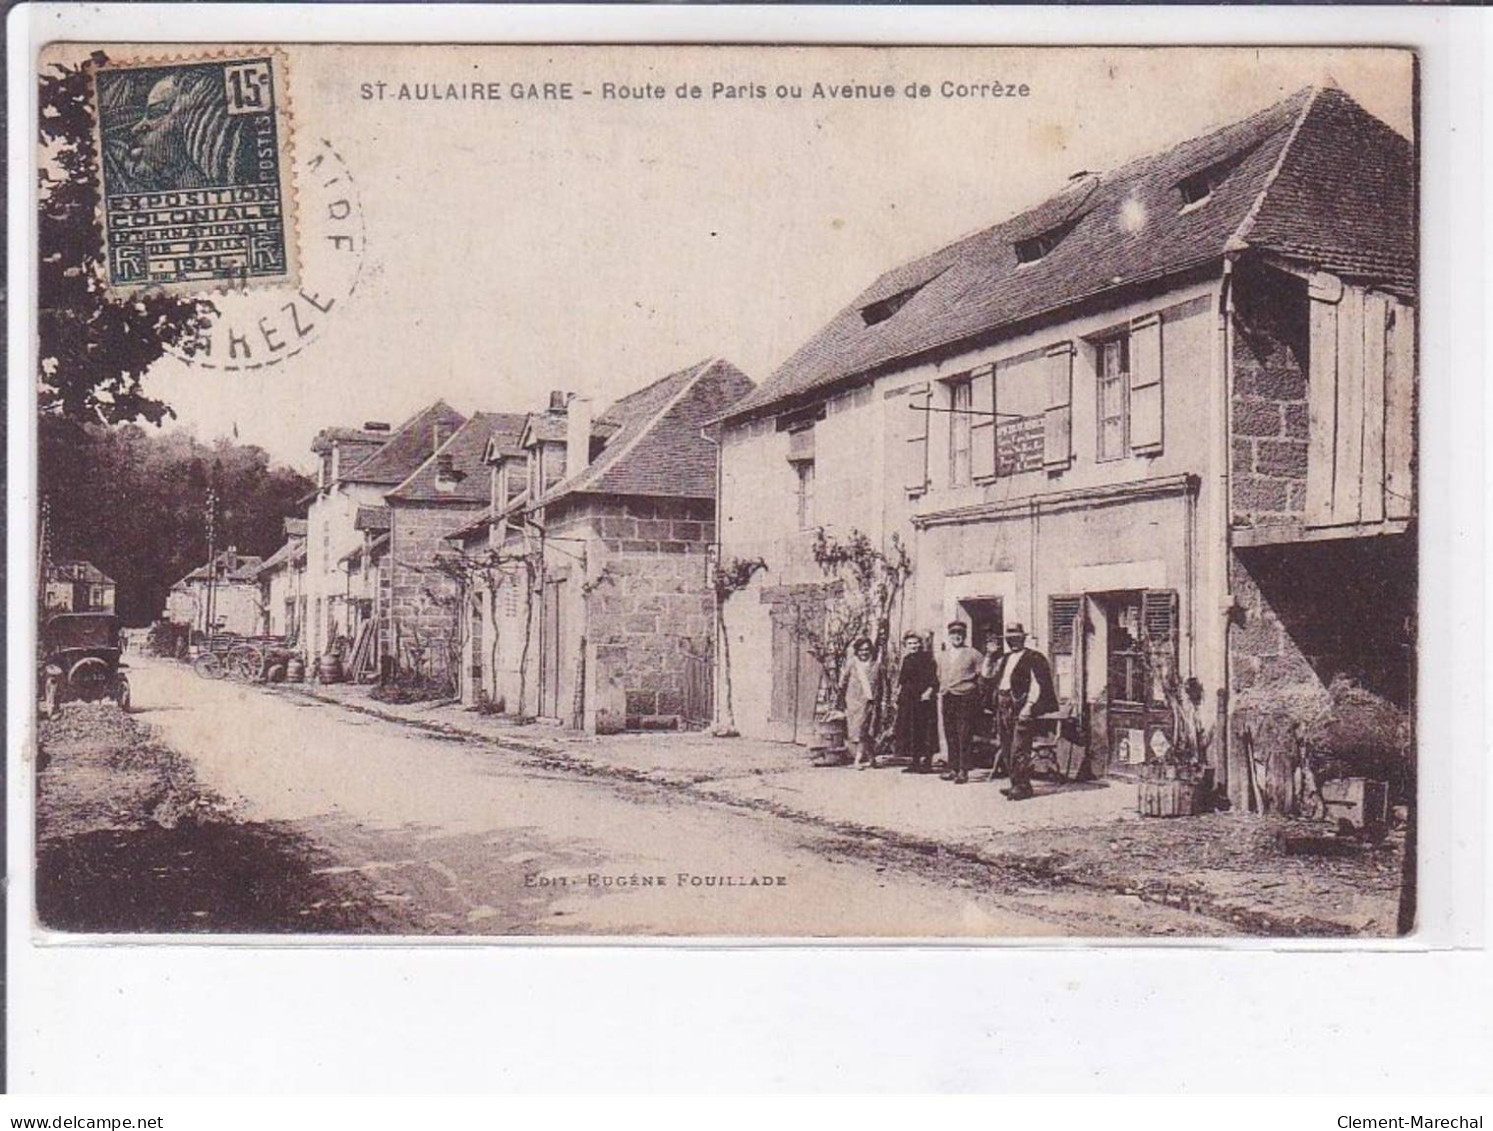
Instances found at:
x=258 y=326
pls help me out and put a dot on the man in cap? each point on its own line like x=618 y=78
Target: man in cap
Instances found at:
x=959 y=676
x=1023 y=690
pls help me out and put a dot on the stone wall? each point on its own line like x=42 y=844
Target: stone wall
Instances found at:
x=421 y=601
x=1270 y=422
x=1313 y=619
x=650 y=612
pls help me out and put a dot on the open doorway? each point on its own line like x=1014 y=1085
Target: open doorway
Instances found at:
x=986 y=619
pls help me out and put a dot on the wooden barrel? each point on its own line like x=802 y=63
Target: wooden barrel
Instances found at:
x=830 y=734
x=331 y=668
x=295 y=669
x=1168 y=798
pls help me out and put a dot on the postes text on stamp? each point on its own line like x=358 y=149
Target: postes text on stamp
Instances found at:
x=193 y=170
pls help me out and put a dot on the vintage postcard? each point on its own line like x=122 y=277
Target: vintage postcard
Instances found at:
x=726 y=492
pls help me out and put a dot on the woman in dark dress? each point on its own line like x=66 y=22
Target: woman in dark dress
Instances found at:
x=917 y=706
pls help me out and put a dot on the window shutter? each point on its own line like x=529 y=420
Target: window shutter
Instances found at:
x=916 y=446
x=1064 y=624
x=1159 y=623
x=1145 y=385
x=1063 y=618
x=982 y=428
x=801 y=444
x=1057 y=444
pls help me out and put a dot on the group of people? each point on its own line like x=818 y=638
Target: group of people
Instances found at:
x=1014 y=680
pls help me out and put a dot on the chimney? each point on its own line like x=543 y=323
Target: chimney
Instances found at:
x=375 y=426
x=557 y=400
x=577 y=434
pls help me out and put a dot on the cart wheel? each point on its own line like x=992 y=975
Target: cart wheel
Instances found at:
x=51 y=697
x=122 y=694
x=245 y=662
x=209 y=666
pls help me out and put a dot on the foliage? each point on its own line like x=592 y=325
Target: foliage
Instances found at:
x=730 y=576
x=95 y=347
x=132 y=501
x=490 y=570
x=866 y=584
x=735 y=574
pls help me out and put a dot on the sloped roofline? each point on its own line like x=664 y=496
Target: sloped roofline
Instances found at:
x=436 y=455
x=1237 y=242
x=576 y=484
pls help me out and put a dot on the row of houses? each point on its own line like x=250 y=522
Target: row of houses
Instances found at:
x=1173 y=403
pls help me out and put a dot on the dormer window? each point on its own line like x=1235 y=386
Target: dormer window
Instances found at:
x=446 y=476
x=1196 y=188
x=1040 y=246
x=882 y=309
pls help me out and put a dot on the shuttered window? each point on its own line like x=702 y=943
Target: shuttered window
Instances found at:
x=1057 y=440
x=1063 y=615
x=982 y=423
x=915 y=447
x=1112 y=365
x=961 y=391
x=1145 y=385
x=1159 y=621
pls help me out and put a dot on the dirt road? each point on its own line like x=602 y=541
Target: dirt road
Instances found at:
x=444 y=837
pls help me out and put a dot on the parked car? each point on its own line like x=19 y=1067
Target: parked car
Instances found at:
x=80 y=660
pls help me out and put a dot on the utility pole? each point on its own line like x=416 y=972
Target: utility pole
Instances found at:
x=212 y=564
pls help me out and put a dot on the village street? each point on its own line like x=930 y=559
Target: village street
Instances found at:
x=415 y=830
x=455 y=837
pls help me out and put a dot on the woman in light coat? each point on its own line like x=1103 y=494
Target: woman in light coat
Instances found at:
x=858 y=691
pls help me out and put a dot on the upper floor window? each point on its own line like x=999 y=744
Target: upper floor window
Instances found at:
x=1112 y=363
x=554 y=465
x=961 y=405
x=804 y=494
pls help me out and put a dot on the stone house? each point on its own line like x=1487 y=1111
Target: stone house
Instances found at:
x=222 y=595
x=1170 y=409
x=282 y=578
x=357 y=467
x=78 y=587
x=597 y=610
x=415 y=598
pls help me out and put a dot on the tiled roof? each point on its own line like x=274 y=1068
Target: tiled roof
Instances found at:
x=374 y=545
x=544 y=426
x=371 y=518
x=408 y=446
x=657 y=448
x=231 y=567
x=292 y=552
x=477 y=528
x=506 y=434
x=1342 y=197
x=79 y=571
x=464 y=453
x=328 y=436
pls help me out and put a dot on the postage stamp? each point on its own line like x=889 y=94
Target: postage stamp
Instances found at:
x=193 y=161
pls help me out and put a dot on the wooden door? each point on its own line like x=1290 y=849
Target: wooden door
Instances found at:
x=795 y=680
x=551 y=662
